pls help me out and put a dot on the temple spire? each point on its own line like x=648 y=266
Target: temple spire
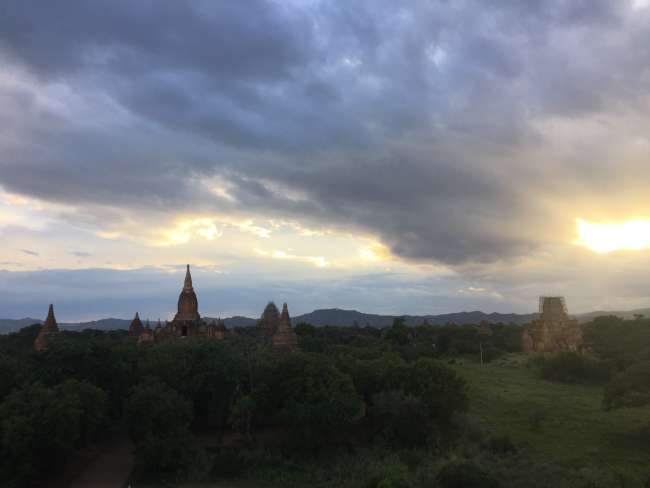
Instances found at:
x=188 y=279
x=50 y=316
x=49 y=327
x=284 y=340
x=284 y=316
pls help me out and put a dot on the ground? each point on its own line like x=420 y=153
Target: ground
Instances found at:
x=555 y=423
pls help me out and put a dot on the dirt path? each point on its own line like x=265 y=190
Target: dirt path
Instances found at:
x=111 y=469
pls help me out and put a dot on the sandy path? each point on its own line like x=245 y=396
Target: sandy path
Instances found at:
x=111 y=469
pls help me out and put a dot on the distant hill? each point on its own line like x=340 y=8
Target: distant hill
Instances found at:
x=335 y=316
x=625 y=314
x=339 y=317
x=13 y=325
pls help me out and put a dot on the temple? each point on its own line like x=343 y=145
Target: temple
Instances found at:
x=188 y=305
x=274 y=327
x=269 y=321
x=48 y=328
x=554 y=330
x=284 y=340
x=136 y=328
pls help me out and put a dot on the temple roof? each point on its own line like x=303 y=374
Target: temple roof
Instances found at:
x=284 y=340
x=49 y=327
x=136 y=325
x=188 y=304
x=50 y=324
x=285 y=320
x=270 y=319
x=188 y=279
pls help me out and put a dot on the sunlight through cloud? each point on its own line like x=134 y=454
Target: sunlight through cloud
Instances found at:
x=606 y=237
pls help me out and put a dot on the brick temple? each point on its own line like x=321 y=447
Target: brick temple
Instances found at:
x=554 y=331
x=272 y=326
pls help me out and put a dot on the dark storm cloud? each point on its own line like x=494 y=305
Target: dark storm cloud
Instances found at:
x=400 y=118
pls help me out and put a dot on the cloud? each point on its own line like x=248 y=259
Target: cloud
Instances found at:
x=450 y=132
x=81 y=254
x=30 y=252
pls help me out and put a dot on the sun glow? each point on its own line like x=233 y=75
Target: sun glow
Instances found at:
x=605 y=237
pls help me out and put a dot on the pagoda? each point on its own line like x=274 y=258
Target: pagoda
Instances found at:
x=136 y=328
x=554 y=331
x=284 y=340
x=269 y=321
x=49 y=327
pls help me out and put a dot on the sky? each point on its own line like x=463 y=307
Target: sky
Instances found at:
x=389 y=156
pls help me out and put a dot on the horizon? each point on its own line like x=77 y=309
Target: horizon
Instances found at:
x=421 y=157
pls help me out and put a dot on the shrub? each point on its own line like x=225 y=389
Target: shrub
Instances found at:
x=630 y=388
x=159 y=421
x=399 y=417
x=536 y=417
x=569 y=367
x=390 y=474
x=501 y=445
x=441 y=390
x=42 y=426
x=313 y=399
x=465 y=474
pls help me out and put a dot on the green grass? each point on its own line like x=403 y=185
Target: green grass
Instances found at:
x=575 y=433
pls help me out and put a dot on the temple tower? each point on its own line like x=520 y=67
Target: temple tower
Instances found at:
x=136 y=327
x=188 y=305
x=554 y=330
x=284 y=340
x=49 y=327
x=270 y=320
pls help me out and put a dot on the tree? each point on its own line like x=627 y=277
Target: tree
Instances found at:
x=441 y=390
x=313 y=399
x=630 y=388
x=398 y=417
x=41 y=426
x=159 y=421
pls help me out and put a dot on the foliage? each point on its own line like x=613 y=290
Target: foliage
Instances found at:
x=41 y=426
x=501 y=445
x=465 y=474
x=618 y=342
x=630 y=388
x=570 y=367
x=159 y=421
x=442 y=391
x=399 y=418
x=21 y=341
x=313 y=399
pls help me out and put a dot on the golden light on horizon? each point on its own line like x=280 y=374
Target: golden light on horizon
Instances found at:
x=606 y=237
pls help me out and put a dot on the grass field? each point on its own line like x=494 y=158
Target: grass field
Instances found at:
x=558 y=425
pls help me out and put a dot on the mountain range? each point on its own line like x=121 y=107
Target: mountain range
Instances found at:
x=338 y=317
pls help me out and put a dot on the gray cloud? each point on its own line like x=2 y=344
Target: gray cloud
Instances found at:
x=29 y=252
x=81 y=254
x=412 y=120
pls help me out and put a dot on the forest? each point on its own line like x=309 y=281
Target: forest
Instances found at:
x=402 y=406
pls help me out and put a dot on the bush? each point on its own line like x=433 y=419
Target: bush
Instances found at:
x=465 y=474
x=229 y=463
x=536 y=417
x=313 y=399
x=501 y=446
x=441 y=390
x=399 y=417
x=630 y=388
x=159 y=421
x=392 y=474
x=42 y=426
x=569 y=367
